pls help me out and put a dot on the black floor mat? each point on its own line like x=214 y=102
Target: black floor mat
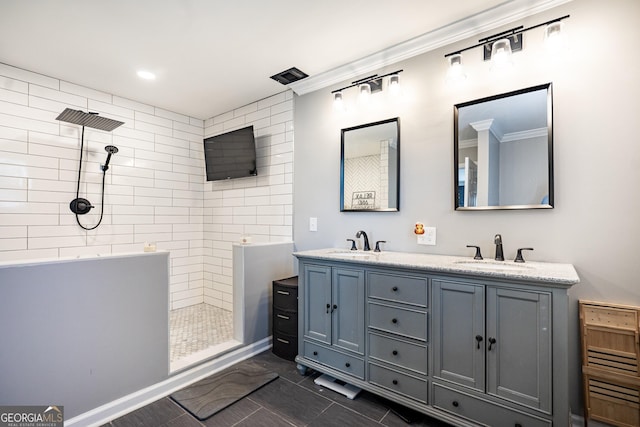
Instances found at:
x=212 y=394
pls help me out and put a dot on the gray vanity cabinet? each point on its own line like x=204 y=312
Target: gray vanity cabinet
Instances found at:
x=495 y=340
x=470 y=348
x=333 y=317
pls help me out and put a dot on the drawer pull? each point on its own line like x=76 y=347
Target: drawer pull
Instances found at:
x=455 y=403
x=518 y=425
x=283 y=341
x=347 y=364
x=395 y=382
x=394 y=320
x=283 y=292
x=394 y=352
x=282 y=316
x=315 y=353
x=328 y=307
x=394 y=289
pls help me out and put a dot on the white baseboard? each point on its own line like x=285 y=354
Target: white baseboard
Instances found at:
x=112 y=410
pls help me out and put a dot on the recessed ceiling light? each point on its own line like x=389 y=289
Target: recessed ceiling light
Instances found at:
x=147 y=75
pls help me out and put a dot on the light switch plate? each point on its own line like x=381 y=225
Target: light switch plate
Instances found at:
x=313 y=224
x=428 y=238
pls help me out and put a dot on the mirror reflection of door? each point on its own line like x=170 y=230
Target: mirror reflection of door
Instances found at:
x=370 y=167
x=470 y=182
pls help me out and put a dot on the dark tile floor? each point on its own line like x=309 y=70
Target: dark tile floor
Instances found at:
x=290 y=400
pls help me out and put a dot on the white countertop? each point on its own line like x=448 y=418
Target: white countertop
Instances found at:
x=545 y=272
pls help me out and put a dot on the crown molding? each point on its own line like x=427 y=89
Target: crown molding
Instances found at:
x=460 y=30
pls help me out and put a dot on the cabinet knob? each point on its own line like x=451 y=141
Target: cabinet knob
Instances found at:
x=334 y=307
x=479 y=340
x=395 y=382
x=315 y=353
x=394 y=352
x=455 y=403
x=394 y=289
x=328 y=307
x=347 y=364
x=492 y=341
x=394 y=320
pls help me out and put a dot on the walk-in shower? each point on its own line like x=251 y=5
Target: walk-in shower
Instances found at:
x=80 y=205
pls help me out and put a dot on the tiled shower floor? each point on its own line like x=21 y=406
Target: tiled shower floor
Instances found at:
x=196 y=328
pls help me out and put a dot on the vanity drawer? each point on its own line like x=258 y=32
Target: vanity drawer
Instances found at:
x=399 y=353
x=410 y=323
x=393 y=287
x=340 y=361
x=285 y=322
x=482 y=411
x=413 y=387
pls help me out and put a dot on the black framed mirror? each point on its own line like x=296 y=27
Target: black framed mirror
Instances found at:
x=503 y=151
x=370 y=167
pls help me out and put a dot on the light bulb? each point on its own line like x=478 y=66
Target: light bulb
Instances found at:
x=338 y=103
x=555 y=38
x=365 y=92
x=456 y=70
x=501 y=54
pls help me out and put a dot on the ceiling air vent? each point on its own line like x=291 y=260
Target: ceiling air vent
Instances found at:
x=289 y=76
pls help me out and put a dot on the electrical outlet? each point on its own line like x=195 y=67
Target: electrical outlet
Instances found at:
x=428 y=238
x=313 y=224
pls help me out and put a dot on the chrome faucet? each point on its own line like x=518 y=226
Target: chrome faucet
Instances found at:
x=366 y=240
x=498 y=241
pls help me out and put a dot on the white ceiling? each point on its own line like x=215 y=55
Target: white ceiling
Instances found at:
x=210 y=56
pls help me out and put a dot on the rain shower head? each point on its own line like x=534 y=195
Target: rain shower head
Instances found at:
x=91 y=120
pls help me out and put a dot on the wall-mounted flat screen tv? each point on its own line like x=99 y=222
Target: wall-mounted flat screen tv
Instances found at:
x=231 y=155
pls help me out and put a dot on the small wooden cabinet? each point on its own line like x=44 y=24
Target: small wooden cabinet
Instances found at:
x=285 y=317
x=610 y=362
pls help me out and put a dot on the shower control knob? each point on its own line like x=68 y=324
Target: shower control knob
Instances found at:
x=80 y=206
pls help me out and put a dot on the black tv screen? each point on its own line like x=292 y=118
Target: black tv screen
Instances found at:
x=230 y=155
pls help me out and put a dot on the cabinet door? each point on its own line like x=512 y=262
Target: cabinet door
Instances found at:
x=519 y=362
x=348 y=309
x=317 y=302
x=458 y=333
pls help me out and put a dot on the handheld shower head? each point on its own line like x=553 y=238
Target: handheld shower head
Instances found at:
x=110 y=149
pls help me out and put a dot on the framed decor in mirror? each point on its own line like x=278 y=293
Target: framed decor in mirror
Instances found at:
x=370 y=167
x=503 y=151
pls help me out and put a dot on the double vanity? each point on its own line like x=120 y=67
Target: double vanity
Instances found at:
x=466 y=341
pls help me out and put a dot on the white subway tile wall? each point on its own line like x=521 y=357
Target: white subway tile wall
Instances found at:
x=155 y=191
x=260 y=207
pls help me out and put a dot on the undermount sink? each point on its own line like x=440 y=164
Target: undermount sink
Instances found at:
x=493 y=266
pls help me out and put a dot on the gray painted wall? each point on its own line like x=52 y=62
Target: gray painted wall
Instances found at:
x=83 y=332
x=597 y=152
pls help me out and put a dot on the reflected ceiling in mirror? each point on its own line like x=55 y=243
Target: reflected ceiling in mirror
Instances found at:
x=503 y=151
x=370 y=167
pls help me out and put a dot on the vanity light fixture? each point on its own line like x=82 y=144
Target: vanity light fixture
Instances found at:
x=369 y=85
x=498 y=47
